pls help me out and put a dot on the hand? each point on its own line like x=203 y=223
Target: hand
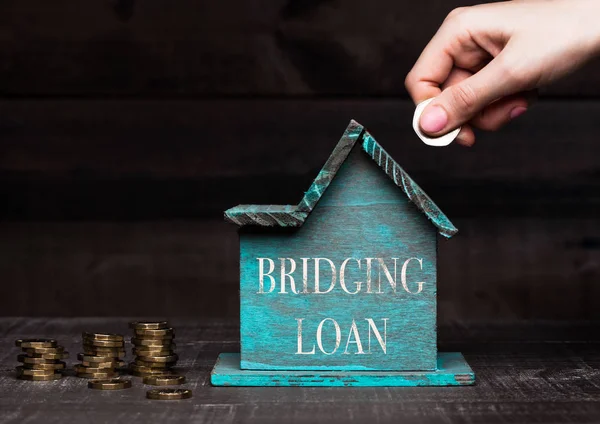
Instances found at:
x=485 y=61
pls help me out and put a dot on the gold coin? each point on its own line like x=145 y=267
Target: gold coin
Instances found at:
x=109 y=384
x=26 y=371
x=80 y=368
x=112 y=352
x=141 y=360
x=40 y=377
x=154 y=344
x=148 y=325
x=164 y=380
x=36 y=343
x=163 y=332
x=165 y=339
x=148 y=374
x=103 y=336
x=96 y=358
x=170 y=358
x=58 y=365
x=154 y=340
x=163 y=365
x=29 y=360
x=86 y=369
x=98 y=374
x=164 y=343
x=147 y=370
x=91 y=343
x=157 y=352
x=112 y=365
x=90 y=367
x=44 y=356
x=43 y=350
x=169 y=394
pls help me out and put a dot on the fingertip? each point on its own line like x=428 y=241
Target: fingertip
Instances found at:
x=466 y=136
x=501 y=112
x=466 y=142
x=517 y=111
x=433 y=120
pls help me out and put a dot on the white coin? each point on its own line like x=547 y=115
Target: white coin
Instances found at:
x=444 y=140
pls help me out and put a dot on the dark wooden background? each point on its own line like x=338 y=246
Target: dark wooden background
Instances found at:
x=127 y=127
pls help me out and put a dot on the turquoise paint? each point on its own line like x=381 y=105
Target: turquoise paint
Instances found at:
x=362 y=214
x=410 y=188
x=452 y=370
x=280 y=215
x=356 y=211
x=328 y=173
x=296 y=215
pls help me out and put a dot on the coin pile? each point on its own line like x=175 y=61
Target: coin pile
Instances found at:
x=153 y=348
x=41 y=359
x=101 y=355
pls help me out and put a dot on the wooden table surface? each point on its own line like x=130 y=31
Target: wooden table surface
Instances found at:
x=526 y=372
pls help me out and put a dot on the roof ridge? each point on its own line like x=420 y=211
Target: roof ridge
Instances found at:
x=412 y=190
x=295 y=215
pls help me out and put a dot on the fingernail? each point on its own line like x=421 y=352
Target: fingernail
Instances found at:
x=518 y=111
x=434 y=119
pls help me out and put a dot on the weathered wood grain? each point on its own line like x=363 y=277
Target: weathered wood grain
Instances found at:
x=522 y=265
x=233 y=47
x=107 y=268
x=362 y=214
x=451 y=370
x=527 y=372
x=184 y=139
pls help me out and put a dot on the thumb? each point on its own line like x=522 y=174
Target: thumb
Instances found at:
x=459 y=103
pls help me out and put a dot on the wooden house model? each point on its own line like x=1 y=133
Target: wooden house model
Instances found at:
x=340 y=289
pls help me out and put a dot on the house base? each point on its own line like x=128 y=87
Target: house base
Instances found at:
x=452 y=370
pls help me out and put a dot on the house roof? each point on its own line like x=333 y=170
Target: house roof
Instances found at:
x=295 y=215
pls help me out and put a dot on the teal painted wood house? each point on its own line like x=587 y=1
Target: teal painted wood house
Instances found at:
x=340 y=289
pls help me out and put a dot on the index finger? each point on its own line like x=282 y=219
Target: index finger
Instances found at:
x=431 y=69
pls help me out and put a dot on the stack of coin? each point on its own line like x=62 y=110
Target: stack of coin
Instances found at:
x=101 y=355
x=41 y=359
x=153 y=348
